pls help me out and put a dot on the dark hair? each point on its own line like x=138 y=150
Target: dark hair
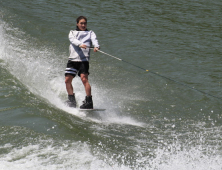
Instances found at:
x=79 y=18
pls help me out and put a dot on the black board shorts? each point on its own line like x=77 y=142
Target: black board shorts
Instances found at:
x=74 y=68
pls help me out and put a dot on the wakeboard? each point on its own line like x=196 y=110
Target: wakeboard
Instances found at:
x=91 y=110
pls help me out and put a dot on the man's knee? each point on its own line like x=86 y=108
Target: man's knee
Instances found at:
x=68 y=79
x=84 y=78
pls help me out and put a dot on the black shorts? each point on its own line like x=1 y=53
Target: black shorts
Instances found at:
x=77 y=67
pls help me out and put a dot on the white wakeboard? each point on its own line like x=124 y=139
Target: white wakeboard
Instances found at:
x=91 y=110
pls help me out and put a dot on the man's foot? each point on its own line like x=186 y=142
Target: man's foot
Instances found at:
x=87 y=103
x=71 y=102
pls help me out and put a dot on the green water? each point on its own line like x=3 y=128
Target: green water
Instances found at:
x=163 y=119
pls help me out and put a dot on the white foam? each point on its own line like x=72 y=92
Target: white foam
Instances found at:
x=192 y=158
x=68 y=156
x=65 y=155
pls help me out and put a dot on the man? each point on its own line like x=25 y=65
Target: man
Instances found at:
x=80 y=41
